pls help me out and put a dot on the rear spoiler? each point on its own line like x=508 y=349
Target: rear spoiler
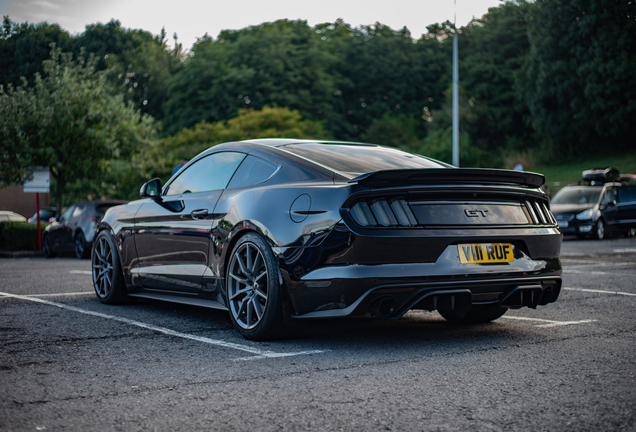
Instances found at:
x=448 y=175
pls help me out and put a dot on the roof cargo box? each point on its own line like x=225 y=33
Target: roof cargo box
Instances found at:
x=597 y=176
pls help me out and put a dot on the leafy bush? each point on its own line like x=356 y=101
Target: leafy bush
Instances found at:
x=19 y=236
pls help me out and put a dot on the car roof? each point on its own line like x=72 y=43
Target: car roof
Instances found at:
x=362 y=157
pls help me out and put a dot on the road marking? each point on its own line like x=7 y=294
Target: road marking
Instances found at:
x=86 y=272
x=550 y=323
x=600 y=291
x=61 y=294
x=586 y=272
x=259 y=353
x=624 y=250
x=599 y=264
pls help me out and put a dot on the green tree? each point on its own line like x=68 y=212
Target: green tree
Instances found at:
x=23 y=48
x=138 y=64
x=384 y=71
x=69 y=120
x=579 y=78
x=272 y=64
x=493 y=50
x=397 y=130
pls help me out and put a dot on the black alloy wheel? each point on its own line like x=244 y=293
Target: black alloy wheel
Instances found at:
x=47 y=248
x=253 y=289
x=487 y=314
x=107 y=276
x=599 y=230
x=81 y=251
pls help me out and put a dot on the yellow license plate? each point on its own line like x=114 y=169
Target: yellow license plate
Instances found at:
x=479 y=253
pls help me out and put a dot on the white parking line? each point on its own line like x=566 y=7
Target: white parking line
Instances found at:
x=259 y=353
x=61 y=294
x=86 y=272
x=584 y=272
x=599 y=291
x=598 y=264
x=550 y=323
x=624 y=250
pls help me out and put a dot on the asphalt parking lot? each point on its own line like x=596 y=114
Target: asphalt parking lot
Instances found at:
x=69 y=362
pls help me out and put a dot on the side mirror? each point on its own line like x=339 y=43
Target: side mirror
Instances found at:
x=151 y=189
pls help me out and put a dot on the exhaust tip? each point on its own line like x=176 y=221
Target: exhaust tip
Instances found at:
x=382 y=307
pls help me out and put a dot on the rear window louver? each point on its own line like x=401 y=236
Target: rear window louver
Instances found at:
x=381 y=212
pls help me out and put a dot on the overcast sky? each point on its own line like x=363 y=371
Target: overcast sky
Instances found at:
x=191 y=19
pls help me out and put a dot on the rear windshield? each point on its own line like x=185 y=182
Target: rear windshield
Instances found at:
x=586 y=195
x=360 y=158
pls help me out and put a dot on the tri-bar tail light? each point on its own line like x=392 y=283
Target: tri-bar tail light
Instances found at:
x=396 y=212
x=381 y=212
x=539 y=213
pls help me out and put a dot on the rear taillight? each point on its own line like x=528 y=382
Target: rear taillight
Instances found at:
x=383 y=213
x=94 y=218
x=539 y=213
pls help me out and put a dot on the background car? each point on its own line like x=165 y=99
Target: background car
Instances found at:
x=601 y=207
x=45 y=215
x=74 y=230
x=9 y=216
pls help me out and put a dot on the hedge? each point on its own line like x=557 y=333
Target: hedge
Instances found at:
x=19 y=236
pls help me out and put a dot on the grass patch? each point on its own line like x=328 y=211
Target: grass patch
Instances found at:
x=570 y=172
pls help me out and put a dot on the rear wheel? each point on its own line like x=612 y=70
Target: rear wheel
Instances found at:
x=108 y=280
x=47 y=248
x=254 y=291
x=599 y=230
x=81 y=249
x=474 y=317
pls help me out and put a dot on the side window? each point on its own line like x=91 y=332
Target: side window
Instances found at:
x=78 y=211
x=253 y=170
x=67 y=213
x=212 y=172
x=627 y=194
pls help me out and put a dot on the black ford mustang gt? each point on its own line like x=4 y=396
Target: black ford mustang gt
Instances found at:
x=279 y=230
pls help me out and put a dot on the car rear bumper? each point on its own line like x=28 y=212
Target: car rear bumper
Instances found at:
x=323 y=282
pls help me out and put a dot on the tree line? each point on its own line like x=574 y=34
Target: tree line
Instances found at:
x=548 y=77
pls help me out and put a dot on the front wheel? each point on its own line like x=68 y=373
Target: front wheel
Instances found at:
x=599 y=231
x=108 y=279
x=81 y=251
x=254 y=291
x=474 y=317
x=47 y=247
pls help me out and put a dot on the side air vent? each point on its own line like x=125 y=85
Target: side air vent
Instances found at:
x=383 y=213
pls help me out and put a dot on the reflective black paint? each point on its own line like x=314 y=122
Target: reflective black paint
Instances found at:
x=330 y=266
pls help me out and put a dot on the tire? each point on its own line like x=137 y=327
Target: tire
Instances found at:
x=599 y=230
x=47 y=248
x=81 y=249
x=254 y=291
x=108 y=279
x=475 y=317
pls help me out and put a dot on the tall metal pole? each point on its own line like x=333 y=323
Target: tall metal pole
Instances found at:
x=455 y=95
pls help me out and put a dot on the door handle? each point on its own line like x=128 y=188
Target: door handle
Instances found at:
x=199 y=214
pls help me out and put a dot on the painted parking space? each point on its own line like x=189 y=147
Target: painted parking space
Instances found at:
x=257 y=353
